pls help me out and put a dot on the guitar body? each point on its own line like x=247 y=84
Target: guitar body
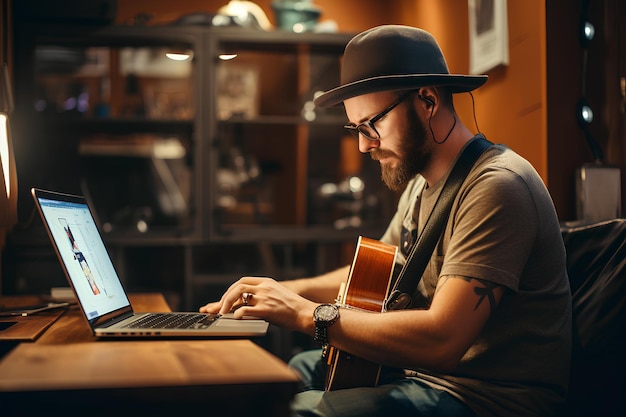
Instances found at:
x=366 y=289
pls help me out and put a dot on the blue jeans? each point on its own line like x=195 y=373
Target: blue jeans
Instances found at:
x=396 y=396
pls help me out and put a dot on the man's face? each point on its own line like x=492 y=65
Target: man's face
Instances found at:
x=403 y=150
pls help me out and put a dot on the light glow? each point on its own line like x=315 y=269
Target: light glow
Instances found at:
x=4 y=152
x=587 y=114
x=227 y=57
x=179 y=56
x=589 y=31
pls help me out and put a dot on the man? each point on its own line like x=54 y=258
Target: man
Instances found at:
x=489 y=333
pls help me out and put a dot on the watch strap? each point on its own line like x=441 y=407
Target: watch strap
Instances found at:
x=321 y=334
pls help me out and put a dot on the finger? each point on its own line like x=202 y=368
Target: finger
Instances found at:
x=234 y=297
x=215 y=306
x=212 y=307
x=246 y=298
x=241 y=311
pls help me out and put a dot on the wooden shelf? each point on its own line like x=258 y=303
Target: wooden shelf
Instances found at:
x=118 y=126
x=286 y=120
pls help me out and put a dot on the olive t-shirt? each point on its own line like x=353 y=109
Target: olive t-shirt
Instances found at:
x=502 y=228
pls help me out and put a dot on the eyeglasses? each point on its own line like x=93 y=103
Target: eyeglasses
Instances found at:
x=367 y=128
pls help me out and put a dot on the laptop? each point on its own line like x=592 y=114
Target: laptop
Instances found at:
x=101 y=296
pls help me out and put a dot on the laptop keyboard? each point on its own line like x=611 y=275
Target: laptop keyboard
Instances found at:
x=173 y=321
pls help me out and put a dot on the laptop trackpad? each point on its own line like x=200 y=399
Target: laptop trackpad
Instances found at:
x=231 y=316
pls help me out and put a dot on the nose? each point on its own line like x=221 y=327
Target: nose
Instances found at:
x=366 y=145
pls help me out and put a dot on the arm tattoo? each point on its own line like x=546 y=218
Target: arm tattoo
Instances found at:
x=486 y=291
x=483 y=289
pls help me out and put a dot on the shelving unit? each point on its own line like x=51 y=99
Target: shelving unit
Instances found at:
x=184 y=164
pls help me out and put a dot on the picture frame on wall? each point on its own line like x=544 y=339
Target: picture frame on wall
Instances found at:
x=488 y=34
x=237 y=91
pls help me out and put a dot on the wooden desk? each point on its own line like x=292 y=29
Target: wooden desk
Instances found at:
x=67 y=371
x=16 y=329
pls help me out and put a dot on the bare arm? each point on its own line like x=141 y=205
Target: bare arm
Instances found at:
x=436 y=338
x=321 y=289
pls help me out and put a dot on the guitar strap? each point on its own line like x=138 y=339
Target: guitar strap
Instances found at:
x=411 y=273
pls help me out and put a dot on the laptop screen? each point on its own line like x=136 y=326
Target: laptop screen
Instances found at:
x=86 y=259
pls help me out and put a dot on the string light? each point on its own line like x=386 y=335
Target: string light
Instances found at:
x=584 y=111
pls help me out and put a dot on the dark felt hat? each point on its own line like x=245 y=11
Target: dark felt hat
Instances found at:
x=394 y=57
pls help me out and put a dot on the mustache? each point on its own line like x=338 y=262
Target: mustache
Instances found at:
x=377 y=154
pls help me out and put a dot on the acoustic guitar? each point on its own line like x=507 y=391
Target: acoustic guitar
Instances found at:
x=367 y=286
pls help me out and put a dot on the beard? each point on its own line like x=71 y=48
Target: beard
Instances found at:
x=413 y=156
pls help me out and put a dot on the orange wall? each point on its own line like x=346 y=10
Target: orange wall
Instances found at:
x=510 y=108
x=351 y=15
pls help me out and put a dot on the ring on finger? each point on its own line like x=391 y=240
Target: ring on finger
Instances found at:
x=245 y=297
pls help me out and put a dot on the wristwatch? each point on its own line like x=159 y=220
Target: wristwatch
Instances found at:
x=325 y=315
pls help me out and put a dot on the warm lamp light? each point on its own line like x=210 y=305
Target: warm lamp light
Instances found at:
x=4 y=153
x=180 y=55
x=8 y=190
x=8 y=182
x=227 y=56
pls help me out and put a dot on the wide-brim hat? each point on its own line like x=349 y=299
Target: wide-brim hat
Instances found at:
x=394 y=57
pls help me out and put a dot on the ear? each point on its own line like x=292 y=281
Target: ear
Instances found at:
x=429 y=96
x=428 y=101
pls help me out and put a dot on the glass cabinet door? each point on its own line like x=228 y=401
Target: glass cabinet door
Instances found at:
x=121 y=105
x=199 y=132
x=284 y=164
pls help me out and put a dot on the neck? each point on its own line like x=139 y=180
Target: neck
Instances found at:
x=445 y=152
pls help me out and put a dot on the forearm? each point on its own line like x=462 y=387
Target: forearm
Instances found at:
x=436 y=338
x=410 y=338
x=322 y=289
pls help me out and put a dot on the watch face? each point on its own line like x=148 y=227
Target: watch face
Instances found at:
x=326 y=312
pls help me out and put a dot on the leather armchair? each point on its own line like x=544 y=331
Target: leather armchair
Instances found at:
x=596 y=260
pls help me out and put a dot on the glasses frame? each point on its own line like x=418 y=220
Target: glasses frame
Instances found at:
x=355 y=130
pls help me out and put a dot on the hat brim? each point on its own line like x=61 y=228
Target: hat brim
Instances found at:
x=456 y=84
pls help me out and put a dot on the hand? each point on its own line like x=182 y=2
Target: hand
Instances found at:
x=267 y=299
